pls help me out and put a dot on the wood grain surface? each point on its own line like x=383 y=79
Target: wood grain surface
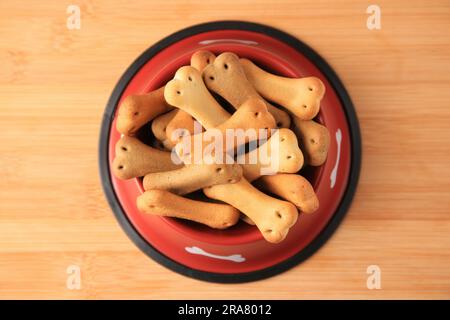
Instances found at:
x=54 y=85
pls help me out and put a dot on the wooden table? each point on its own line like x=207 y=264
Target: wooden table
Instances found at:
x=54 y=84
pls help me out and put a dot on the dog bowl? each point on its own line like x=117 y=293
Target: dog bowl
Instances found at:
x=239 y=253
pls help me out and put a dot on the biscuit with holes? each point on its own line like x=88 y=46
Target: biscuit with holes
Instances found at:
x=301 y=96
x=187 y=92
x=136 y=159
x=139 y=109
x=273 y=217
x=291 y=187
x=182 y=121
x=280 y=154
x=166 y=204
x=201 y=58
x=314 y=140
x=226 y=77
x=193 y=177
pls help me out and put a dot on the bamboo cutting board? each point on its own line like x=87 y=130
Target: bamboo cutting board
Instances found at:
x=54 y=84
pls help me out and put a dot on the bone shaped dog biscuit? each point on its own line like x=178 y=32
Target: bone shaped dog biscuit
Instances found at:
x=187 y=92
x=279 y=154
x=135 y=159
x=137 y=110
x=159 y=128
x=301 y=96
x=182 y=121
x=314 y=140
x=291 y=187
x=201 y=58
x=273 y=217
x=164 y=203
x=226 y=77
x=193 y=177
x=181 y=125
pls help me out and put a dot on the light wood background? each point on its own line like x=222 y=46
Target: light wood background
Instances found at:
x=54 y=85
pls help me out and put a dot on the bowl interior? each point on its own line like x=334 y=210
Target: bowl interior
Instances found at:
x=273 y=56
x=241 y=231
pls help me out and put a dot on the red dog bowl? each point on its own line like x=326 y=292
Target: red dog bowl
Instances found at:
x=239 y=253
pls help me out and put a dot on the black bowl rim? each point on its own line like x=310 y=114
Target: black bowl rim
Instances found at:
x=314 y=245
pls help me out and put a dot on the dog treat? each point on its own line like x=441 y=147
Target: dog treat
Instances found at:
x=301 y=96
x=182 y=120
x=159 y=124
x=252 y=115
x=285 y=158
x=193 y=177
x=314 y=140
x=167 y=204
x=291 y=187
x=159 y=128
x=137 y=110
x=201 y=58
x=181 y=125
x=188 y=92
x=226 y=77
x=273 y=217
x=136 y=159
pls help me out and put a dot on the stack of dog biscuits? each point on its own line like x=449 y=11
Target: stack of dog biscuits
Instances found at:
x=246 y=164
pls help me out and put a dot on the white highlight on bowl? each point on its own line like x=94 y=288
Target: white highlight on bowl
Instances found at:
x=335 y=169
x=196 y=250
x=247 y=42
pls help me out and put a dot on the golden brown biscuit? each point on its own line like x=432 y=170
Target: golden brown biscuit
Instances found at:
x=137 y=110
x=135 y=159
x=273 y=217
x=201 y=58
x=291 y=187
x=159 y=128
x=301 y=96
x=279 y=154
x=182 y=120
x=188 y=92
x=164 y=203
x=181 y=125
x=314 y=140
x=193 y=177
x=226 y=77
